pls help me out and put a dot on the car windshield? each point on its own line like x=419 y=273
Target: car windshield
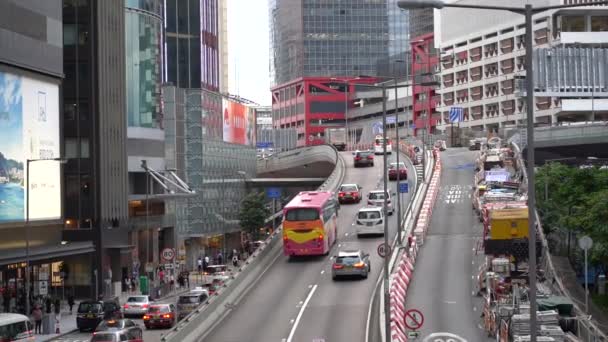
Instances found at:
x=302 y=214
x=348 y=188
x=188 y=300
x=363 y=154
x=119 y=324
x=89 y=307
x=376 y=195
x=394 y=166
x=367 y=215
x=104 y=338
x=137 y=300
x=347 y=260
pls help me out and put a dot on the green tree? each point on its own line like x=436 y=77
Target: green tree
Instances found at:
x=253 y=212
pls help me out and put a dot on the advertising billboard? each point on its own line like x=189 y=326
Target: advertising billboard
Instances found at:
x=239 y=123
x=29 y=127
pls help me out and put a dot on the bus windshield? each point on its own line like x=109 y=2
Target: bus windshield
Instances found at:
x=302 y=214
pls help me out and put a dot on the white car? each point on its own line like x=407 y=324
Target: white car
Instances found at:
x=370 y=221
x=376 y=198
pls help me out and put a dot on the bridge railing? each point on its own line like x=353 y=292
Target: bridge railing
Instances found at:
x=598 y=129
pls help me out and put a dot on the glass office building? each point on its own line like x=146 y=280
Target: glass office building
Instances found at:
x=420 y=22
x=143 y=43
x=327 y=38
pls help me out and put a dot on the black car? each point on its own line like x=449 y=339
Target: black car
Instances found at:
x=91 y=313
x=363 y=158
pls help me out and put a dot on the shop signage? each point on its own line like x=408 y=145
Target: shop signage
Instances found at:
x=43 y=288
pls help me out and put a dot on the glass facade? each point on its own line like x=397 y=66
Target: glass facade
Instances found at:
x=192 y=61
x=420 y=22
x=143 y=29
x=329 y=38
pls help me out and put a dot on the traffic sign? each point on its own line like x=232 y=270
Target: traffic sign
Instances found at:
x=264 y=144
x=403 y=187
x=413 y=319
x=273 y=193
x=413 y=334
x=311 y=138
x=390 y=120
x=168 y=254
x=585 y=243
x=384 y=250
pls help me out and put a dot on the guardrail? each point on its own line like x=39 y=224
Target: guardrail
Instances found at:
x=201 y=321
x=409 y=220
x=586 y=327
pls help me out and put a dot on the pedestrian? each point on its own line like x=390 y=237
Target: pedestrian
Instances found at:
x=37 y=315
x=171 y=281
x=200 y=264
x=71 y=301
x=206 y=263
x=220 y=258
x=180 y=279
x=187 y=276
x=235 y=260
x=161 y=276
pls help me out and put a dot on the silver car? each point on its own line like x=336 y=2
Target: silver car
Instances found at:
x=351 y=263
x=136 y=305
x=376 y=198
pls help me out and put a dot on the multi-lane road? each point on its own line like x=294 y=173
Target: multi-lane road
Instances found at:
x=443 y=286
x=297 y=300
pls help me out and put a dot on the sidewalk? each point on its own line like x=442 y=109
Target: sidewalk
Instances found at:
x=577 y=292
x=67 y=322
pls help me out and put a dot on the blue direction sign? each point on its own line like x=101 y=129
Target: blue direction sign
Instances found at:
x=264 y=144
x=390 y=120
x=377 y=127
x=273 y=193
x=403 y=187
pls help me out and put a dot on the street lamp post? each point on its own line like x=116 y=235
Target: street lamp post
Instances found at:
x=387 y=325
x=527 y=11
x=27 y=228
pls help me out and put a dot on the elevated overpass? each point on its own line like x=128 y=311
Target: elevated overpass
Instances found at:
x=574 y=140
x=313 y=161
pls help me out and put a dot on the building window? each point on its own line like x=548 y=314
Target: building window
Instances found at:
x=71 y=148
x=327 y=107
x=573 y=23
x=599 y=23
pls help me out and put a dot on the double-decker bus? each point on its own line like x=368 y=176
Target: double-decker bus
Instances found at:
x=310 y=224
x=379 y=146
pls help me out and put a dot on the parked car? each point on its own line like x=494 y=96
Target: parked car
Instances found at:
x=349 y=193
x=351 y=263
x=136 y=305
x=91 y=313
x=160 y=315
x=397 y=171
x=376 y=198
x=15 y=327
x=363 y=158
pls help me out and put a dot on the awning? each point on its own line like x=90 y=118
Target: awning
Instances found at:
x=46 y=252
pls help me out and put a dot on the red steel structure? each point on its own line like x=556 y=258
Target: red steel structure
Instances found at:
x=312 y=104
x=424 y=65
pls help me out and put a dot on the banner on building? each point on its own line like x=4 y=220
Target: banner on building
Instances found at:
x=239 y=123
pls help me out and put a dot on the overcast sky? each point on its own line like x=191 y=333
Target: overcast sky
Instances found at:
x=248 y=49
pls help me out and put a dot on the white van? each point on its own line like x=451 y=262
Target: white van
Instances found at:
x=15 y=327
x=378 y=145
x=370 y=221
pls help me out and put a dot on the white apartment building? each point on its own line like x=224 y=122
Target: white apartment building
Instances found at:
x=483 y=64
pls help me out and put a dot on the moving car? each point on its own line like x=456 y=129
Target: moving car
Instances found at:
x=349 y=193
x=351 y=263
x=91 y=313
x=136 y=305
x=376 y=198
x=189 y=302
x=363 y=158
x=379 y=146
x=116 y=324
x=160 y=315
x=131 y=334
x=214 y=272
x=370 y=220
x=397 y=171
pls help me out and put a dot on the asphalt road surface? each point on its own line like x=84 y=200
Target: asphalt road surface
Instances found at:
x=443 y=286
x=297 y=300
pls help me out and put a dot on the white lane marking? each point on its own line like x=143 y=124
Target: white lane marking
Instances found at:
x=369 y=310
x=474 y=308
x=449 y=302
x=473 y=262
x=472 y=293
x=295 y=325
x=322 y=271
x=472 y=277
x=291 y=322
x=345 y=234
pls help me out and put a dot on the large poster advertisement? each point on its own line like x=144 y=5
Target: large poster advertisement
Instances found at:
x=239 y=123
x=29 y=129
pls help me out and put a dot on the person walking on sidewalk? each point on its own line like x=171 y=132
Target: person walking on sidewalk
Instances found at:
x=199 y=263
x=37 y=315
x=220 y=258
x=71 y=302
x=235 y=260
